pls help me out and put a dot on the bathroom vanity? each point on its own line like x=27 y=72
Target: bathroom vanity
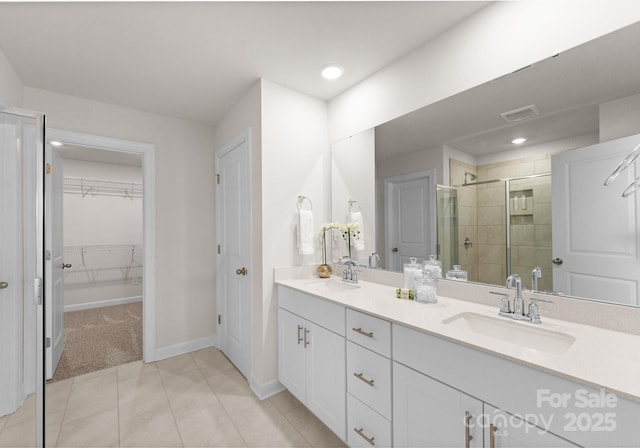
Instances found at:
x=381 y=371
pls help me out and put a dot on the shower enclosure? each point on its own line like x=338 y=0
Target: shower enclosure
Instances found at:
x=502 y=227
x=21 y=273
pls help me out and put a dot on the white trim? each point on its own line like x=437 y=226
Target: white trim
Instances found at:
x=147 y=151
x=185 y=347
x=431 y=176
x=265 y=390
x=101 y=304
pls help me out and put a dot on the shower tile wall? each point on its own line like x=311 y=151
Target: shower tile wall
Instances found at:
x=482 y=219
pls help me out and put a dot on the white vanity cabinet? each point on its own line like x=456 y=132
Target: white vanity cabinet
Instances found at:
x=571 y=414
x=504 y=430
x=428 y=413
x=311 y=360
x=368 y=380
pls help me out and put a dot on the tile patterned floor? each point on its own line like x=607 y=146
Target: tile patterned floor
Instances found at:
x=194 y=400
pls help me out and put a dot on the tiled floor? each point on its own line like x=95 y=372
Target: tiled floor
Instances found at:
x=194 y=400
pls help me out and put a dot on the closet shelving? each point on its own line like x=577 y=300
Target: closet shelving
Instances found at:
x=94 y=187
x=103 y=262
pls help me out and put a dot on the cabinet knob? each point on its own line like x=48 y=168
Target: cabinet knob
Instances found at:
x=4 y=285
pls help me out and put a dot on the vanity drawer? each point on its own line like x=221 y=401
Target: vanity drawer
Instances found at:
x=365 y=427
x=370 y=332
x=369 y=378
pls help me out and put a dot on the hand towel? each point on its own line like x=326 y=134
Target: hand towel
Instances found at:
x=356 y=217
x=305 y=232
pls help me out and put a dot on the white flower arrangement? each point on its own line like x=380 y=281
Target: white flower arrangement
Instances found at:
x=350 y=230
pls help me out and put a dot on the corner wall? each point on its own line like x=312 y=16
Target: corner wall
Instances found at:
x=11 y=86
x=295 y=161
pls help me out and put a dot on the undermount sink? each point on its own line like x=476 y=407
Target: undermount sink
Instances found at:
x=331 y=283
x=517 y=333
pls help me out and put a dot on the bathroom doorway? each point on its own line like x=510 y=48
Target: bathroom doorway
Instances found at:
x=97 y=320
x=106 y=260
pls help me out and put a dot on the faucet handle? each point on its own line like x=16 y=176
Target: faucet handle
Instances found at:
x=534 y=310
x=505 y=307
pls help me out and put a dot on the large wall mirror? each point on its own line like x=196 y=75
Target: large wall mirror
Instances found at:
x=449 y=180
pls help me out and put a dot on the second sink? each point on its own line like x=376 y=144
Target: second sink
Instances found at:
x=520 y=334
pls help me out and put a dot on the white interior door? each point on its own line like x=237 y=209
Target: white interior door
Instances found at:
x=54 y=280
x=234 y=229
x=21 y=351
x=410 y=211
x=595 y=229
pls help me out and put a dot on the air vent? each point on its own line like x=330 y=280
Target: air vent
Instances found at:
x=521 y=113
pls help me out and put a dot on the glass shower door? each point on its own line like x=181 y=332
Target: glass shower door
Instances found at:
x=21 y=262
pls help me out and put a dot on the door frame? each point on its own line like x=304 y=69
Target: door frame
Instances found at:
x=31 y=360
x=147 y=151
x=430 y=175
x=243 y=137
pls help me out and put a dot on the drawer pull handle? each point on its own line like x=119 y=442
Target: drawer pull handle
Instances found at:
x=364 y=333
x=467 y=429
x=361 y=434
x=299 y=337
x=306 y=341
x=361 y=377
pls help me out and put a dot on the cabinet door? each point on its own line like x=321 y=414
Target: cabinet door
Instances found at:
x=326 y=384
x=505 y=430
x=427 y=413
x=291 y=353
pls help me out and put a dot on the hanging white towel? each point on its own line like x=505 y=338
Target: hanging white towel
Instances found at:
x=356 y=217
x=305 y=232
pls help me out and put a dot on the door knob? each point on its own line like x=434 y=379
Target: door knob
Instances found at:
x=557 y=261
x=395 y=249
x=66 y=265
x=241 y=271
x=4 y=285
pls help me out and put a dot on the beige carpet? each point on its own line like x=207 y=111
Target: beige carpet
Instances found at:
x=100 y=338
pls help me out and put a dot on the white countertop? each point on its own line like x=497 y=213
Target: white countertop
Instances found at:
x=598 y=357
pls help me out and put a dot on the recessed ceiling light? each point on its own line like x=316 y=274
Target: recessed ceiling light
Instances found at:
x=332 y=71
x=518 y=141
x=55 y=143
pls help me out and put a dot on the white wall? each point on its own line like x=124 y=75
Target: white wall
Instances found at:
x=10 y=84
x=290 y=156
x=497 y=40
x=185 y=235
x=100 y=220
x=620 y=118
x=295 y=160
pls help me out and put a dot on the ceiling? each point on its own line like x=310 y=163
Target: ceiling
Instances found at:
x=193 y=60
x=566 y=88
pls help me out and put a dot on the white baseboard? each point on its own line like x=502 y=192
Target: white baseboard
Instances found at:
x=101 y=303
x=185 y=347
x=265 y=390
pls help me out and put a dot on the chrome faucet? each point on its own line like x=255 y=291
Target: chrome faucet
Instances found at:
x=349 y=275
x=514 y=281
x=535 y=275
